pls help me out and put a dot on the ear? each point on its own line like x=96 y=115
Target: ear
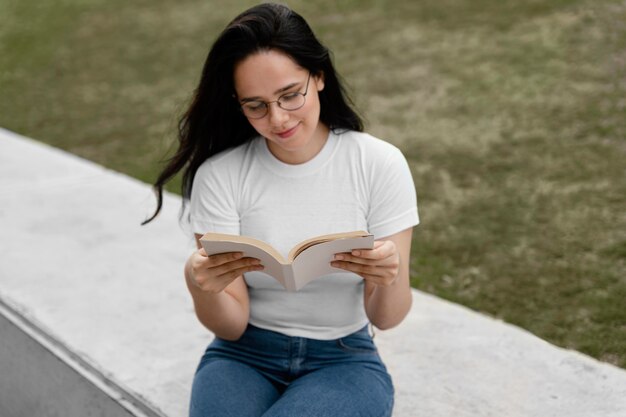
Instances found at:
x=319 y=81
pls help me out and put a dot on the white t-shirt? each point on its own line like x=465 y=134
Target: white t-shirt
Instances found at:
x=356 y=182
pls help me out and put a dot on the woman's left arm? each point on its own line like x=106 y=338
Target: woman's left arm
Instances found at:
x=385 y=270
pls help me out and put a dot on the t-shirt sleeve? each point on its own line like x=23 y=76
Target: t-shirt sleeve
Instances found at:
x=393 y=203
x=212 y=206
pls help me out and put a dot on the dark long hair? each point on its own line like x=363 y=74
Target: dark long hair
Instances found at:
x=214 y=122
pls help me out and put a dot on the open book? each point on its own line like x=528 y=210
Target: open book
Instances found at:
x=305 y=262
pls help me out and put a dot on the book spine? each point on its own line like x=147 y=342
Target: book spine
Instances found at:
x=289 y=277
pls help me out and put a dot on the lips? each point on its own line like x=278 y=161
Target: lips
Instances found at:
x=287 y=133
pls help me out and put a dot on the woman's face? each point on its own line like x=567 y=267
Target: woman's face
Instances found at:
x=295 y=136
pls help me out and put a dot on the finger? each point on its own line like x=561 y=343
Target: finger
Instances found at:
x=359 y=268
x=346 y=257
x=227 y=267
x=234 y=273
x=218 y=283
x=379 y=243
x=372 y=260
x=201 y=261
x=224 y=258
x=207 y=265
x=226 y=273
x=381 y=250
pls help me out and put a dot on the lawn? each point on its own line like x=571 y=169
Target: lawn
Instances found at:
x=512 y=115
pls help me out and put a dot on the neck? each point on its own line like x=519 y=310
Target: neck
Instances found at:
x=304 y=154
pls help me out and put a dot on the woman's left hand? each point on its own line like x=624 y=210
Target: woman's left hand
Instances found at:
x=379 y=266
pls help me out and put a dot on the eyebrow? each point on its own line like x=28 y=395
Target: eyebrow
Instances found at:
x=277 y=92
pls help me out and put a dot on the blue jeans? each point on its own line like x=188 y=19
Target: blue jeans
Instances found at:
x=265 y=373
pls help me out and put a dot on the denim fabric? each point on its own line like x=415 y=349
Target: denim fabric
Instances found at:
x=268 y=374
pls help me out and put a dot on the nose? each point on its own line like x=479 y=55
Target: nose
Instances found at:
x=277 y=115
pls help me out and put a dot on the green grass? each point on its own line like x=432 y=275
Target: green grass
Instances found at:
x=511 y=113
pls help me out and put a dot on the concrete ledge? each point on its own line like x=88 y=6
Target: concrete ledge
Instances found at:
x=75 y=261
x=42 y=377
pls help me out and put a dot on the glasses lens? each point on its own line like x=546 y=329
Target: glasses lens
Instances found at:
x=254 y=109
x=291 y=101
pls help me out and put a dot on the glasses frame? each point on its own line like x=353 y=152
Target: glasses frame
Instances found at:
x=277 y=101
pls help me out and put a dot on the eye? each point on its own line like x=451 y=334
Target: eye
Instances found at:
x=289 y=97
x=254 y=106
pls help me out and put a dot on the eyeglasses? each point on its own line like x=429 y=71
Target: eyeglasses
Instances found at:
x=257 y=109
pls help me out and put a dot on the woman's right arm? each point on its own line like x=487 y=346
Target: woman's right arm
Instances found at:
x=219 y=293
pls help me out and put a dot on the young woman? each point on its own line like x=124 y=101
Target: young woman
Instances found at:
x=271 y=148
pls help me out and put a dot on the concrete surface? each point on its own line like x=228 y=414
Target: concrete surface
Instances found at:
x=75 y=261
x=41 y=377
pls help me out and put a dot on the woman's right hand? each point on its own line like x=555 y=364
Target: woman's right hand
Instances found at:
x=214 y=273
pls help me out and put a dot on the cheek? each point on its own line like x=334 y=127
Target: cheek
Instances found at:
x=314 y=112
x=311 y=109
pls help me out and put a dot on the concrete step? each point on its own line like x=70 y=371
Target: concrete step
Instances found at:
x=43 y=377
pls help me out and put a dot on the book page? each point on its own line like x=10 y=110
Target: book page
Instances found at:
x=223 y=237
x=315 y=260
x=302 y=246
